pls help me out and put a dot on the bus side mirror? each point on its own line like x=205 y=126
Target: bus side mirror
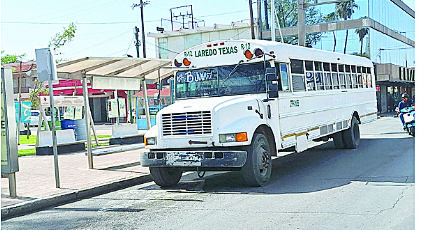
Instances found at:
x=272 y=83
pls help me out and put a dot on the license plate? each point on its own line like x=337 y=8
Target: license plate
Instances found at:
x=183 y=159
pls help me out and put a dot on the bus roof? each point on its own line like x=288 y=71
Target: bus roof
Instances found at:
x=230 y=52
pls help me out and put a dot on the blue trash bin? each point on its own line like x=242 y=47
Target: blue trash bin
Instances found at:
x=67 y=124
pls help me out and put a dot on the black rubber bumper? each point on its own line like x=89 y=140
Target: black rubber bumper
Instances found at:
x=223 y=159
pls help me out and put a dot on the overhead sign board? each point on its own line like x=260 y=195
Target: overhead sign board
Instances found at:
x=115 y=83
x=46 y=65
x=62 y=101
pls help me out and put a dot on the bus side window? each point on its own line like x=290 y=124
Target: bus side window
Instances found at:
x=318 y=71
x=335 y=82
x=359 y=77
x=354 y=76
x=348 y=77
x=364 y=77
x=309 y=74
x=369 y=77
x=341 y=75
x=327 y=75
x=297 y=74
x=284 y=77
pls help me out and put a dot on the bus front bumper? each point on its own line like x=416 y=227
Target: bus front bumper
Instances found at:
x=218 y=159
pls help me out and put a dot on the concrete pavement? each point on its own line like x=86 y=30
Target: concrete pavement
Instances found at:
x=36 y=187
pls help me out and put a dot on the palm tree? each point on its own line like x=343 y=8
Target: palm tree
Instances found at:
x=331 y=17
x=362 y=32
x=345 y=10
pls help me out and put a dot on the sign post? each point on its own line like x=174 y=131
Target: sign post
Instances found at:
x=46 y=70
x=9 y=145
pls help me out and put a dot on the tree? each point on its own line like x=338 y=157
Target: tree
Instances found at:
x=287 y=15
x=7 y=58
x=362 y=32
x=345 y=10
x=62 y=38
x=331 y=17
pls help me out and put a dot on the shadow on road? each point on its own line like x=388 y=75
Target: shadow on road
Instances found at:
x=320 y=168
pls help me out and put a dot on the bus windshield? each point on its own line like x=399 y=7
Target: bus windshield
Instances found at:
x=221 y=81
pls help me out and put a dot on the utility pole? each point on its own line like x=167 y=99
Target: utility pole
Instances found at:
x=259 y=21
x=145 y=88
x=251 y=16
x=142 y=4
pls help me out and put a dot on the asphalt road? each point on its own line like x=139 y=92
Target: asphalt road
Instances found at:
x=371 y=187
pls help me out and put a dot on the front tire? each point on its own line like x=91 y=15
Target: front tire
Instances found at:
x=258 y=167
x=165 y=177
x=351 y=136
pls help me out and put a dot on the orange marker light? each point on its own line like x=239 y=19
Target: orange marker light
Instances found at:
x=241 y=137
x=186 y=62
x=145 y=141
x=248 y=54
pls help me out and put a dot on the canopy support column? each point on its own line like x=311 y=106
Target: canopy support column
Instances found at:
x=86 y=118
x=145 y=97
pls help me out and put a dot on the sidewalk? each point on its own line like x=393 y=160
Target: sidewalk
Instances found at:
x=36 y=187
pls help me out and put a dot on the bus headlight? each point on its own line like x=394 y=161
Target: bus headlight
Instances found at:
x=233 y=137
x=150 y=141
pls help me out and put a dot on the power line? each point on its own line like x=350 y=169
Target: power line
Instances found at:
x=78 y=23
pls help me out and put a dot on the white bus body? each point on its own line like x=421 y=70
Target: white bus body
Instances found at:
x=226 y=118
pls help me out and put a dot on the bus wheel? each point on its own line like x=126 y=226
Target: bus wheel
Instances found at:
x=351 y=136
x=258 y=167
x=337 y=139
x=165 y=177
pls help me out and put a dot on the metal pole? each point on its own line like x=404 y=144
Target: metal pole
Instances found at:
x=117 y=120
x=54 y=137
x=259 y=20
x=86 y=117
x=143 y=28
x=301 y=23
x=145 y=97
x=19 y=102
x=273 y=22
x=251 y=17
x=12 y=184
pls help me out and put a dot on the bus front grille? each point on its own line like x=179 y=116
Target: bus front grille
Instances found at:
x=191 y=123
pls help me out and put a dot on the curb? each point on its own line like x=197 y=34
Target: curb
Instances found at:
x=55 y=200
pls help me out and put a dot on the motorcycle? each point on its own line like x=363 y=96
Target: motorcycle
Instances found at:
x=409 y=119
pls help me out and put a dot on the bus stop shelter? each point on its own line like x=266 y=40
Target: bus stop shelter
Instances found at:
x=113 y=73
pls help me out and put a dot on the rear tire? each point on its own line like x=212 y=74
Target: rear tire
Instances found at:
x=165 y=177
x=258 y=167
x=337 y=139
x=351 y=136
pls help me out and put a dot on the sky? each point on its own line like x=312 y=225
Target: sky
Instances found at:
x=105 y=28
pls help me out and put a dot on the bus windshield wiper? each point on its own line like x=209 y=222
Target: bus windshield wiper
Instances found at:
x=233 y=70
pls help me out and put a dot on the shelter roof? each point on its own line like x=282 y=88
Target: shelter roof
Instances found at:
x=121 y=67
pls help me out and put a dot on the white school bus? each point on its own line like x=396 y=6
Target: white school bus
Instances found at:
x=240 y=102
